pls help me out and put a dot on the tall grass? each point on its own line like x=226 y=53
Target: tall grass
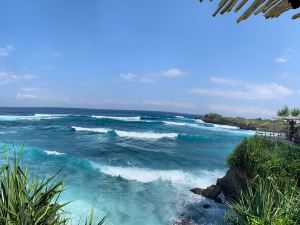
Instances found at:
x=266 y=203
x=26 y=200
x=273 y=193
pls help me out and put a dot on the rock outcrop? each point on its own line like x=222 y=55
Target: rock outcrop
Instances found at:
x=230 y=186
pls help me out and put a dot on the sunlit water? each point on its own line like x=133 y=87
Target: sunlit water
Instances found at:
x=139 y=166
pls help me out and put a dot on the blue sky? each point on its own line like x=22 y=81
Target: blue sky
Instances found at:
x=169 y=55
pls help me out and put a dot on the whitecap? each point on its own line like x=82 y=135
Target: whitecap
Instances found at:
x=129 y=119
x=53 y=153
x=95 y=130
x=181 y=124
x=145 y=135
x=31 y=117
x=202 y=179
x=199 y=121
x=225 y=126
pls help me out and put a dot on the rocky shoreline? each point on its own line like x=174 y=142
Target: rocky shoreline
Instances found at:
x=244 y=123
x=226 y=188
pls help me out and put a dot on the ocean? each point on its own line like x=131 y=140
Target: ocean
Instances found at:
x=136 y=165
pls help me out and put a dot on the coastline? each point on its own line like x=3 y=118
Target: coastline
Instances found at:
x=244 y=123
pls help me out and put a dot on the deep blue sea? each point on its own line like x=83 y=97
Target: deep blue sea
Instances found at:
x=139 y=166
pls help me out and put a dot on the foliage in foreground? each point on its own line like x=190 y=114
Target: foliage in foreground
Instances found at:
x=266 y=203
x=273 y=193
x=28 y=201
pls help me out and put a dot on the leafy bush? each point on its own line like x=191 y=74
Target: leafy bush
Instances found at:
x=27 y=201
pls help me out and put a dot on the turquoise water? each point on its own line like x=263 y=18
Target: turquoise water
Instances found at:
x=139 y=166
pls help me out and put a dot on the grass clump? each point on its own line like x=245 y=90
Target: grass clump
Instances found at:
x=272 y=196
x=26 y=200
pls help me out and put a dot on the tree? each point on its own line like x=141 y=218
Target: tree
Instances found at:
x=284 y=111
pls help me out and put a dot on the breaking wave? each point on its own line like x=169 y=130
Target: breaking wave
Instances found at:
x=181 y=124
x=202 y=179
x=31 y=117
x=130 y=119
x=145 y=135
x=94 y=130
x=53 y=153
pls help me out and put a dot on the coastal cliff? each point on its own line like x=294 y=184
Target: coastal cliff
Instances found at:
x=263 y=178
x=246 y=124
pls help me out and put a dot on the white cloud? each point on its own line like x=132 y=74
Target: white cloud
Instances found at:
x=151 y=104
x=27 y=96
x=128 y=77
x=242 y=111
x=281 y=59
x=152 y=77
x=221 y=93
x=4 y=51
x=174 y=72
x=185 y=105
x=30 y=89
x=7 y=77
x=244 y=90
x=221 y=80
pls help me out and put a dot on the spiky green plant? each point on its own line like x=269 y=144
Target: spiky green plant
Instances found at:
x=285 y=111
x=265 y=202
x=295 y=112
x=26 y=200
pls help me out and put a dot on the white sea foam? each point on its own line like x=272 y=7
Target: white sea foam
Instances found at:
x=145 y=135
x=53 y=153
x=180 y=117
x=130 y=119
x=95 y=130
x=31 y=117
x=50 y=115
x=201 y=179
x=199 y=121
x=225 y=126
x=181 y=124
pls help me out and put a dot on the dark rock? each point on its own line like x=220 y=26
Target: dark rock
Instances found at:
x=220 y=198
x=206 y=206
x=233 y=183
x=211 y=192
x=229 y=186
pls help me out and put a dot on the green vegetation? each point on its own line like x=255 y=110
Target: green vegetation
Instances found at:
x=26 y=200
x=273 y=193
x=285 y=112
x=295 y=112
x=248 y=124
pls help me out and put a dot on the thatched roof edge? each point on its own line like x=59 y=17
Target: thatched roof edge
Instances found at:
x=270 y=8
